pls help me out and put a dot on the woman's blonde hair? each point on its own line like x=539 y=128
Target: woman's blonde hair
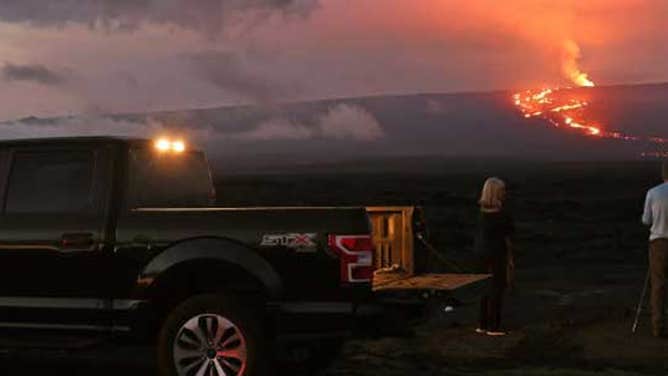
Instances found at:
x=493 y=194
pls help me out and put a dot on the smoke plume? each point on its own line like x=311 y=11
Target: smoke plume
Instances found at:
x=570 y=66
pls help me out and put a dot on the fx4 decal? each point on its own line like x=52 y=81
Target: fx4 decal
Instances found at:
x=298 y=242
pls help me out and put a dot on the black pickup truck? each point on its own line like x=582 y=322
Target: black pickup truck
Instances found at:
x=104 y=236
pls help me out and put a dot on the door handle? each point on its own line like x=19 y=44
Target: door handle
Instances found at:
x=77 y=240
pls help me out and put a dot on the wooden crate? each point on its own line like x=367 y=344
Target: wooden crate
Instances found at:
x=393 y=236
x=392 y=228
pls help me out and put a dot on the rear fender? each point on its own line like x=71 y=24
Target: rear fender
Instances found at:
x=214 y=250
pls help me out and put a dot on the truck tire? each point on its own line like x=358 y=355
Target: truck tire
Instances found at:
x=212 y=334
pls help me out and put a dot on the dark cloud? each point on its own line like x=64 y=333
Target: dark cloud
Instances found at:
x=202 y=15
x=233 y=73
x=32 y=73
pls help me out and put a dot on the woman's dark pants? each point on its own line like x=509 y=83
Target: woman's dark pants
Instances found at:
x=492 y=301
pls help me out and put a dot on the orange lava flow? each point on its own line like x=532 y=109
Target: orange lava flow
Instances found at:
x=563 y=109
x=569 y=112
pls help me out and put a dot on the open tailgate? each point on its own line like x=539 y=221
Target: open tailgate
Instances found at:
x=462 y=287
x=398 y=271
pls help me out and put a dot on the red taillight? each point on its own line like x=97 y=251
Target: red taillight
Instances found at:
x=356 y=256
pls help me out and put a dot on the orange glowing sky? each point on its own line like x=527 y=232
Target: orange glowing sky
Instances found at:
x=128 y=57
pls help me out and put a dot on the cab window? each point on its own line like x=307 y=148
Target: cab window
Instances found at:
x=169 y=179
x=50 y=182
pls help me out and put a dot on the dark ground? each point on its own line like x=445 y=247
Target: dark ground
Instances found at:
x=581 y=259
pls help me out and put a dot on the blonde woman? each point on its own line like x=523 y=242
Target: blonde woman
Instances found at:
x=494 y=248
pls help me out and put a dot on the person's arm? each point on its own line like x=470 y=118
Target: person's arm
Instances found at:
x=510 y=273
x=508 y=239
x=509 y=249
x=647 y=217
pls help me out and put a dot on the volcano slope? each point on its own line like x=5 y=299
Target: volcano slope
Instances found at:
x=472 y=125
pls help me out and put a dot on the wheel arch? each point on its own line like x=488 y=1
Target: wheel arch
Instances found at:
x=208 y=254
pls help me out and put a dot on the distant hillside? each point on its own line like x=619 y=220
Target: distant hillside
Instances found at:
x=441 y=125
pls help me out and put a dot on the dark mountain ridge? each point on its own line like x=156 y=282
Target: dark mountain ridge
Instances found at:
x=461 y=125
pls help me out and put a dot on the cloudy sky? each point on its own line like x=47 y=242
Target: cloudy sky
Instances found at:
x=100 y=56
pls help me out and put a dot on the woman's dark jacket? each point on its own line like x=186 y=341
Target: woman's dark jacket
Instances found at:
x=490 y=244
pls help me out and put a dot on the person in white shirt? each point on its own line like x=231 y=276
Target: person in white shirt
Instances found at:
x=656 y=216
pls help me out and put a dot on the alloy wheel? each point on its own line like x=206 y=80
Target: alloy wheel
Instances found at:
x=209 y=345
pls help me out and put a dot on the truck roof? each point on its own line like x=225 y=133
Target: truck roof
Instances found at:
x=76 y=139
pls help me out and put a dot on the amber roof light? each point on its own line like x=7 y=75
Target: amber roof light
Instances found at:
x=167 y=145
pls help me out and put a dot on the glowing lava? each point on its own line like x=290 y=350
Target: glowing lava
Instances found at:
x=565 y=110
x=567 y=113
